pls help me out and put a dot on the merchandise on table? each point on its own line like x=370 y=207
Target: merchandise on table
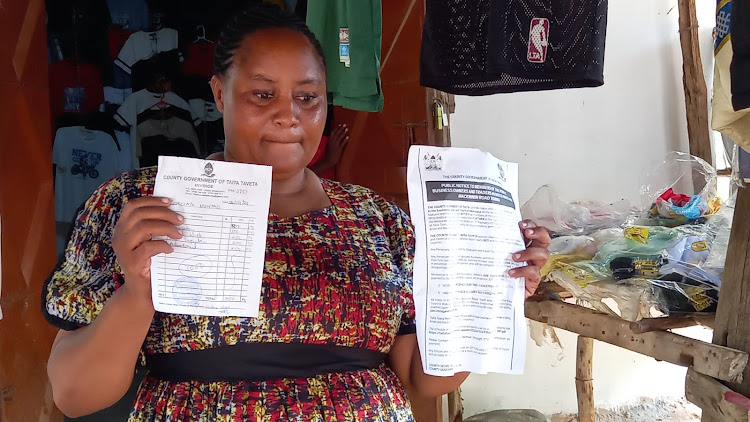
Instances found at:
x=645 y=264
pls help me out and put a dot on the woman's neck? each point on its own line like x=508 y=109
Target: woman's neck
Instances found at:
x=285 y=187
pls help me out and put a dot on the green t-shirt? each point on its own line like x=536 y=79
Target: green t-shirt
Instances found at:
x=356 y=87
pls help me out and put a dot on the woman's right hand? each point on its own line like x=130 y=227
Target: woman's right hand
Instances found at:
x=141 y=220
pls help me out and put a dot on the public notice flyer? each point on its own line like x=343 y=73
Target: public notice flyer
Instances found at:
x=465 y=211
x=216 y=268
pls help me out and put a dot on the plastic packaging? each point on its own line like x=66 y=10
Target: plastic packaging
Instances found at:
x=666 y=258
x=575 y=218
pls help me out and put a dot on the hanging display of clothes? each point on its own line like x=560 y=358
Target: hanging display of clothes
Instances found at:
x=351 y=36
x=84 y=159
x=483 y=47
x=734 y=123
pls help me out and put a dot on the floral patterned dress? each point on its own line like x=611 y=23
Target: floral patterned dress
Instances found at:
x=340 y=276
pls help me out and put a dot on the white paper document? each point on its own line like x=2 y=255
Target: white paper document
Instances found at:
x=469 y=311
x=216 y=268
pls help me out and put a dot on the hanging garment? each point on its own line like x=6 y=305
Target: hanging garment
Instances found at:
x=117 y=96
x=724 y=118
x=144 y=45
x=209 y=125
x=200 y=59
x=75 y=87
x=483 y=47
x=161 y=66
x=740 y=67
x=351 y=37
x=155 y=146
x=170 y=128
x=137 y=108
x=84 y=159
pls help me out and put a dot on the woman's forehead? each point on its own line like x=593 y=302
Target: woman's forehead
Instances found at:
x=268 y=46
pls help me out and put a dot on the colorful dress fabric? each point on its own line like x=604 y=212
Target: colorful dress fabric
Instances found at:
x=340 y=276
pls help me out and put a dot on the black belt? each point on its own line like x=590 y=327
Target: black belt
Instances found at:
x=260 y=362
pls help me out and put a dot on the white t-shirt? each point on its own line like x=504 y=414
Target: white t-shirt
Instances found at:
x=144 y=45
x=114 y=95
x=203 y=111
x=137 y=103
x=85 y=159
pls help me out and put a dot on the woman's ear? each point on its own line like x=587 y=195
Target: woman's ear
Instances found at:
x=217 y=86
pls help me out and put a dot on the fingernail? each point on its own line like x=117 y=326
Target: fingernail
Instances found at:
x=531 y=232
x=512 y=272
x=517 y=256
x=165 y=200
x=180 y=218
x=524 y=225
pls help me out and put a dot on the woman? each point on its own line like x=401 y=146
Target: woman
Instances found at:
x=334 y=339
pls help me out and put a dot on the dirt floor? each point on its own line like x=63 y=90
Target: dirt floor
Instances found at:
x=647 y=410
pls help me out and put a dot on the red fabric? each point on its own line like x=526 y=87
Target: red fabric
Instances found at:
x=319 y=155
x=200 y=59
x=117 y=38
x=67 y=74
x=675 y=198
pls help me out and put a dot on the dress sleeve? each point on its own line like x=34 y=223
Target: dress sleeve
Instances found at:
x=87 y=276
x=401 y=238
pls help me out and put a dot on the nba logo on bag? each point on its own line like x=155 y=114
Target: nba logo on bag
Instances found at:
x=538 y=36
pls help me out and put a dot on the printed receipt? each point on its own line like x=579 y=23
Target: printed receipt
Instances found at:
x=216 y=268
x=469 y=311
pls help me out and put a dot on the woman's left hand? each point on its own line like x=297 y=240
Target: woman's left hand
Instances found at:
x=537 y=241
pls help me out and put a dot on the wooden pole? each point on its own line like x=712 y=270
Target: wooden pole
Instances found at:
x=455 y=407
x=585 y=380
x=694 y=83
x=732 y=327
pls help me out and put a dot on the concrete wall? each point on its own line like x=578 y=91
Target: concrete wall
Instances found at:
x=591 y=144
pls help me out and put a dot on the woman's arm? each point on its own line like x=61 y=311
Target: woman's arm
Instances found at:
x=406 y=362
x=92 y=368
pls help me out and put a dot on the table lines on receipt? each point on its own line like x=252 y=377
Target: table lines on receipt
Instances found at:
x=208 y=265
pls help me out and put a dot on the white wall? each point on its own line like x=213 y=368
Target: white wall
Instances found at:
x=591 y=144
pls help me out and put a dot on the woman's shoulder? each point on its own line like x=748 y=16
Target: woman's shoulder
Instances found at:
x=357 y=196
x=130 y=185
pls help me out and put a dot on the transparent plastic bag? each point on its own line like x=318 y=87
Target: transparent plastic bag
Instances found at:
x=685 y=175
x=575 y=218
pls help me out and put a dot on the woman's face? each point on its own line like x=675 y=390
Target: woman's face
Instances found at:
x=273 y=98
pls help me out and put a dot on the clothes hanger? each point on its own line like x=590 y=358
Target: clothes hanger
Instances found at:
x=202 y=35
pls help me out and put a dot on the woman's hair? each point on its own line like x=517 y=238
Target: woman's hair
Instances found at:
x=254 y=17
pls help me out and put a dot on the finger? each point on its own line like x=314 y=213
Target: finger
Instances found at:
x=148 y=250
x=534 y=254
x=148 y=229
x=146 y=201
x=539 y=237
x=150 y=213
x=527 y=224
x=530 y=273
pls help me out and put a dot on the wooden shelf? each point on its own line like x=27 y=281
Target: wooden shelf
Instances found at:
x=709 y=359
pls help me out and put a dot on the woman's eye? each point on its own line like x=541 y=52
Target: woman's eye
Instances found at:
x=264 y=95
x=306 y=97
